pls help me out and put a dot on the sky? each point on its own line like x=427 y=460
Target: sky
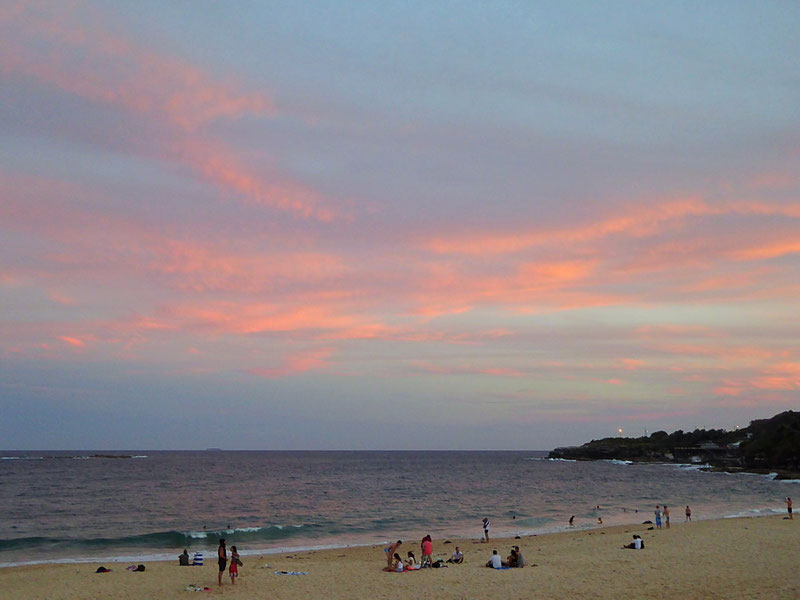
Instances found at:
x=395 y=225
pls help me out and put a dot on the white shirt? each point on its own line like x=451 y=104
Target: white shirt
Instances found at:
x=497 y=562
x=637 y=544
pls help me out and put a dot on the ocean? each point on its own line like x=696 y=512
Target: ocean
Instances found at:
x=150 y=505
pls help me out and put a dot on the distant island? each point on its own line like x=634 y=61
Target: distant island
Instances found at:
x=766 y=446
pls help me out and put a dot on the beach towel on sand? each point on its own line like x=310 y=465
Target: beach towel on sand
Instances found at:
x=196 y=588
x=291 y=573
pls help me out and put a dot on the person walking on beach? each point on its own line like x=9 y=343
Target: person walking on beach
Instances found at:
x=222 y=559
x=486 y=529
x=658 y=516
x=666 y=516
x=233 y=570
x=390 y=551
x=688 y=513
x=789 y=507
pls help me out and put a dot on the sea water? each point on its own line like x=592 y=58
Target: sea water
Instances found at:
x=78 y=506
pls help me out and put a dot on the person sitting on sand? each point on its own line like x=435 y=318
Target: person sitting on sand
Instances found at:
x=397 y=564
x=458 y=556
x=636 y=544
x=411 y=562
x=511 y=560
x=183 y=559
x=495 y=562
x=390 y=550
x=520 y=559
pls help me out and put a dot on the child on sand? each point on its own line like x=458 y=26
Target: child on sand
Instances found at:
x=688 y=513
x=396 y=565
x=233 y=570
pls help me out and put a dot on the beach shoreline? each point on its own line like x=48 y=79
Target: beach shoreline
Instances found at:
x=720 y=558
x=152 y=555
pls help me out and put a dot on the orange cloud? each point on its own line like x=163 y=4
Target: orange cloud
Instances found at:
x=640 y=221
x=314 y=359
x=72 y=341
x=631 y=364
x=769 y=250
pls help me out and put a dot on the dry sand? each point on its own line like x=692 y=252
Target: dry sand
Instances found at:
x=728 y=558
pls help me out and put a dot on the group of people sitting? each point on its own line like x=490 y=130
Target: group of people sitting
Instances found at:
x=396 y=564
x=514 y=560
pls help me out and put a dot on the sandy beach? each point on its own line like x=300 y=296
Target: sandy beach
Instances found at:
x=727 y=558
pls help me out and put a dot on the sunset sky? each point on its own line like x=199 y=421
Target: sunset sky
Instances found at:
x=411 y=225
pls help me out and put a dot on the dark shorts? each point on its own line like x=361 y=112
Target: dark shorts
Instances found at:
x=222 y=563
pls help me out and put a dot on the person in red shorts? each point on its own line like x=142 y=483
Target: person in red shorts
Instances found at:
x=233 y=570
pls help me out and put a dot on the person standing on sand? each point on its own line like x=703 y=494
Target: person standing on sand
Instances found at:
x=658 y=516
x=666 y=516
x=688 y=513
x=486 y=529
x=789 y=507
x=390 y=551
x=233 y=571
x=222 y=559
x=427 y=551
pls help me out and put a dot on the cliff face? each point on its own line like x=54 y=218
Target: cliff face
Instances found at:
x=767 y=444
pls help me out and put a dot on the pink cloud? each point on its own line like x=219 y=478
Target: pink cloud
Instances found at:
x=73 y=49
x=310 y=360
x=72 y=341
x=441 y=369
x=632 y=364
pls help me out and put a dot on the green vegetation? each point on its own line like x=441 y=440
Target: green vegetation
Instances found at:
x=772 y=444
